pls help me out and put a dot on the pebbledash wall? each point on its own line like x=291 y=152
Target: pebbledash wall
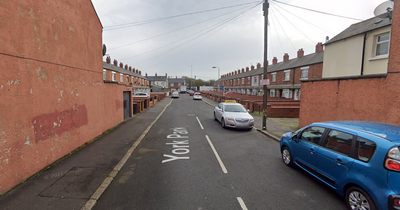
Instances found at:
x=52 y=95
x=357 y=98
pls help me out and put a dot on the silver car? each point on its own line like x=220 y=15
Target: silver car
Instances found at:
x=233 y=115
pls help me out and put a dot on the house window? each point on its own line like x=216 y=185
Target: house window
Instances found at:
x=127 y=79
x=238 y=81
x=382 y=44
x=286 y=93
x=273 y=75
x=113 y=76
x=272 y=93
x=104 y=74
x=172 y=84
x=255 y=80
x=121 y=78
x=242 y=81
x=248 y=80
x=287 y=75
x=304 y=72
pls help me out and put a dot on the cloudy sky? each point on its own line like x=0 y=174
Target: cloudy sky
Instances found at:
x=188 y=38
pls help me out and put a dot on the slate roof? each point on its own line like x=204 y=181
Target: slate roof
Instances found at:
x=176 y=80
x=120 y=70
x=157 y=78
x=371 y=24
x=284 y=65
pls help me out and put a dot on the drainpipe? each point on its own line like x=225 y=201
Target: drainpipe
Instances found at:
x=363 y=54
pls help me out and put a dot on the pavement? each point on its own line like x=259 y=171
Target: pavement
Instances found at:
x=77 y=180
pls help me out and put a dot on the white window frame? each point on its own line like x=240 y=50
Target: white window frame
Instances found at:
x=304 y=73
x=243 y=81
x=132 y=79
x=378 y=43
x=273 y=77
x=104 y=74
x=286 y=75
x=272 y=93
x=127 y=78
x=255 y=80
x=248 y=80
x=121 y=77
x=113 y=76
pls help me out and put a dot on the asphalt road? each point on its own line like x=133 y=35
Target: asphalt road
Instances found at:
x=188 y=161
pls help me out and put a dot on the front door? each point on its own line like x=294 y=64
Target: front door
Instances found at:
x=127 y=103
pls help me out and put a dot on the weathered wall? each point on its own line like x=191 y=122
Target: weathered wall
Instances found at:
x=52 y=95
x=372 y=99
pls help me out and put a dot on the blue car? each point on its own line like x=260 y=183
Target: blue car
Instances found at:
x=360 y=160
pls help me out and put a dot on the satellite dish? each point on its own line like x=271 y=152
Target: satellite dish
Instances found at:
x=383 y=8
x=104 y=49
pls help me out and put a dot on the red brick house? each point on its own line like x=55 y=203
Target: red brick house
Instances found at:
x=54 y=97
x=365 y=88
x=285 y=77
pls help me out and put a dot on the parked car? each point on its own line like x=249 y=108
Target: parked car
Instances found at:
x=191 y=92
x=234 y=115
x=175 y=94
x=197 y=96
x=360 y=160
x=230 y=92
x=141 y=95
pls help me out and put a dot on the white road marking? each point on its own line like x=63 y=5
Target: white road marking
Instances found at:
x=217 y=156
x=241 y=202
x=201 y=126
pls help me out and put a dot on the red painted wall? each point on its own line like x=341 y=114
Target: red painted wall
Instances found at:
x=52 y=95
x=371 y=99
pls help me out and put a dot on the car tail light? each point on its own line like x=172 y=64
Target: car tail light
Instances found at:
x=392 y=161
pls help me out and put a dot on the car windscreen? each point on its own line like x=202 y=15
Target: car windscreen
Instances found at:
x=234 y=108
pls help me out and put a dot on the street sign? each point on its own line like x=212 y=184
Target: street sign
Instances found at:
x=264 y=82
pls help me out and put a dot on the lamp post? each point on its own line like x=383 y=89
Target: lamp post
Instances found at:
x=218 y=76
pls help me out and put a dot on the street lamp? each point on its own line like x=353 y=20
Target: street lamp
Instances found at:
x=218 y=76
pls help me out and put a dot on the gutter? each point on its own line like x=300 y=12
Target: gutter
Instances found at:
x=363 y=55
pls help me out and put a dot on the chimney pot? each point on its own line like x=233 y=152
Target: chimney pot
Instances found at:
x=285 y=57
x=300 y=53
x=319 y=47
x=274 y=60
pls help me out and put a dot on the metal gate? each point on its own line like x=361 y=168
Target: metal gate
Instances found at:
x=127 y=102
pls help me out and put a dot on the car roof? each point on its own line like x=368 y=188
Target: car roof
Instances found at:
x=383 y=130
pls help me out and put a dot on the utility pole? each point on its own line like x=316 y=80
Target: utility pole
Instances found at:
x=265 y=93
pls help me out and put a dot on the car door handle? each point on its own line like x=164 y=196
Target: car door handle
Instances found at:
x=339 y=161
x=312 y=151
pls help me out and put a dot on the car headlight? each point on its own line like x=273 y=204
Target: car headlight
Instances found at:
x=229 y=118
x=251 y=120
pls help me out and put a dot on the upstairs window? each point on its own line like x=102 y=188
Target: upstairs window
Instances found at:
x=382 y=44
x=121 y=78
x=248 y=80
x=304 y=73
x=127 y=79
x=113 y=76
x=273 y=77
x=104 y=74
x=242 y=81
x=287 y=75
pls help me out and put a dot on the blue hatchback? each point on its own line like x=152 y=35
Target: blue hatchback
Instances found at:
x=360 y=160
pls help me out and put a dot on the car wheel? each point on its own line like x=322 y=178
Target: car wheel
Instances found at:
x=357 y=198
x=223 y=122
x=215 y=117
x=287 y=157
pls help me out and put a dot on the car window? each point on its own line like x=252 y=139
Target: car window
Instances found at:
x=312 y=134
x=234 y=108
x=339 y=141
x=364 y=149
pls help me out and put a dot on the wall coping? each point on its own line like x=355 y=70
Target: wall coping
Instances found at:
x=347 y=78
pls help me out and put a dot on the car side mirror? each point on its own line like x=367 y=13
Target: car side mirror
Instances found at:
x=248 y=110
x=294 y=137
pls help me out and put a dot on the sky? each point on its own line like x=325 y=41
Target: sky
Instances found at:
x=188 y=38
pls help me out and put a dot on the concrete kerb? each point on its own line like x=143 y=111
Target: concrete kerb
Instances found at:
x=107 y=181
x=258 y=129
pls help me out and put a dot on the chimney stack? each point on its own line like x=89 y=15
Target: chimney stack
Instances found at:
x=319 y=47
x=126 y=66
x=242 y=70
x=115 y=62
x=300 y=53
x=252 y=67
x=140 y=72
x=259 y=65
x=121 y=65
x=156 y=74
x=108 y=59
x=274 y=60
x=285 y=57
